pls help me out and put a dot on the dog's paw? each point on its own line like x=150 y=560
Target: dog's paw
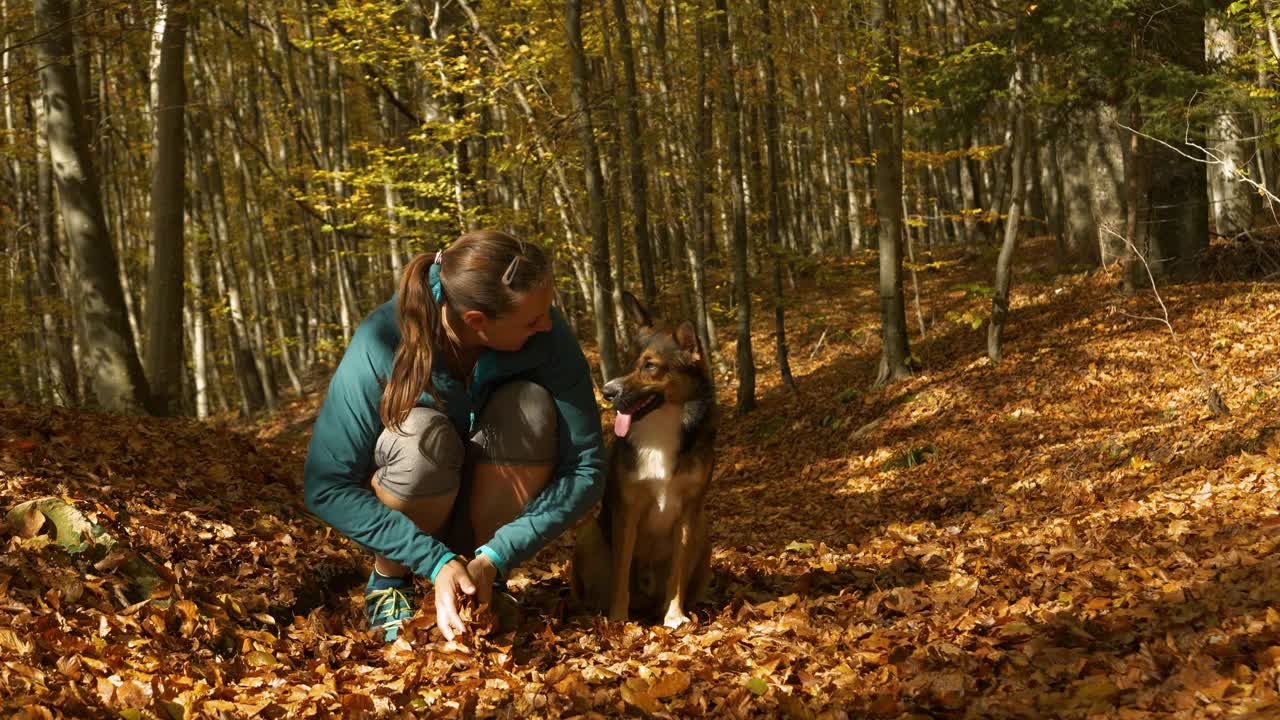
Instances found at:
x=675 y=619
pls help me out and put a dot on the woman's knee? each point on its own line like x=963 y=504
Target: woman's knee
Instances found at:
x=422 y=461
x=518 y=426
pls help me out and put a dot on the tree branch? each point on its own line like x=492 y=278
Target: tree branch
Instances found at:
x=1213 y=398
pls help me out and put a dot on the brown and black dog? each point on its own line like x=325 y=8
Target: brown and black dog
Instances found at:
x=649 y=550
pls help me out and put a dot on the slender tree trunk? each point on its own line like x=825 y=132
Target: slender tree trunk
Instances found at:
x=699 y=205
x=974 y=231
x=1054 y=193
x=1136 y=202
x=390 y=190
x=602 y=291
x=915 y=279
x=886 y=132
x=1036 y=200
x=1269 y=20
x=253 y=395
x=635 y=154
x=700 y=210
x=168 y=158
x=733 y=147
x=611 y=166
x=114 y=371
x=774 y=194
x=445 y=21
x=1004 y=264
x=199 y=337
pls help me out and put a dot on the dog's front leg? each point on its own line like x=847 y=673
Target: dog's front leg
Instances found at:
x=624 y=545
x=681 y=556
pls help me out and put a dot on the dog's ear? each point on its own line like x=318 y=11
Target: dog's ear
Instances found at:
x=688 y=339
x=635 y=311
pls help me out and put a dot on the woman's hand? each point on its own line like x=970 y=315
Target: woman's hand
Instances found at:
x=483 y=572
x=452 y=580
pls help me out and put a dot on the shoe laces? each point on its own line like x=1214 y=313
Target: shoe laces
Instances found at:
x=391 y=606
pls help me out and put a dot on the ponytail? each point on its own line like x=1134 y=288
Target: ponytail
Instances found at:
x=418 y=316
x=484 y=270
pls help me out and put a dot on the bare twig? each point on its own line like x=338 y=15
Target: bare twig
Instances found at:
x=818 y=346
x=1212 y=158
x=1216 y=404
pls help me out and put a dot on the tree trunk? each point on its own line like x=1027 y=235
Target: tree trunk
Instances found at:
x=1081 y=242
x=1036 y=199
x=1233 y=201
x=1004 y=264
x=602 y=290
x=611 y=166
x=1136 y=203
x=700 y=207
x=886 y=132
x=975 y=228
x=635 y=154
x=113 y=369
x=733 y=141
x=1178 y=185
x=1269 y=20
x=168 y=158
x=199 y=338
x=1106 y=172
x=1053 y=192
x=57 y=335
x=774 y=195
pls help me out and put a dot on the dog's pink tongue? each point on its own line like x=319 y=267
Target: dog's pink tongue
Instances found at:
x=622 y=424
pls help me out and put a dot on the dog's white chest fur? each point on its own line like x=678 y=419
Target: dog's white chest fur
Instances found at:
x=656 y=439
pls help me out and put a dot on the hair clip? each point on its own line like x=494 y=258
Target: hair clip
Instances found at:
x=510 y=274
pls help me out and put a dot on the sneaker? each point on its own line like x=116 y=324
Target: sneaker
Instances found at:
x=388 y=602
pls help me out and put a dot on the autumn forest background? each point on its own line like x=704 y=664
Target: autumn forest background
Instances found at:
x=989 y=289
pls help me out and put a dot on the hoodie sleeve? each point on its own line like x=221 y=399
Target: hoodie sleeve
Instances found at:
x=577 y=482
x=339 y=465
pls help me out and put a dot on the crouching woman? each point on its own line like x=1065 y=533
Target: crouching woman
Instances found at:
x=460 y=433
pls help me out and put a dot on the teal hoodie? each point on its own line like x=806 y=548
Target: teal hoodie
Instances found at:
x=339 y=462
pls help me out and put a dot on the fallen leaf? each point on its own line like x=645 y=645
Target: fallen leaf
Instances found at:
x=261 y=659
x=133 y=695
x=28 y=521
x=1094 y=690
x=672 y=683
x=636 y=692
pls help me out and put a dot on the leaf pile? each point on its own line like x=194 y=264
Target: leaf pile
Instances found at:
x=1072 y=533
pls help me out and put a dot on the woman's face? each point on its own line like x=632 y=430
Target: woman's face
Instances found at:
x=509 y=333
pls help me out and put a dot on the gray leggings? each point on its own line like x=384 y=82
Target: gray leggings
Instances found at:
x=426 y=458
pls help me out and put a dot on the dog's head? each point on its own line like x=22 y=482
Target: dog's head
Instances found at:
x=669 y=369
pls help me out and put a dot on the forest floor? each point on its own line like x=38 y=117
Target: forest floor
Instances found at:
x=1072 y=533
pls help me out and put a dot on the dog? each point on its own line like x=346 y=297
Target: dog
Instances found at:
x=648 y=550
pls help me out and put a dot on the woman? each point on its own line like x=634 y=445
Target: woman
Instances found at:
x=460 y=433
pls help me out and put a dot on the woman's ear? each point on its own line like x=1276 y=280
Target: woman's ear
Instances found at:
x=474 y=319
